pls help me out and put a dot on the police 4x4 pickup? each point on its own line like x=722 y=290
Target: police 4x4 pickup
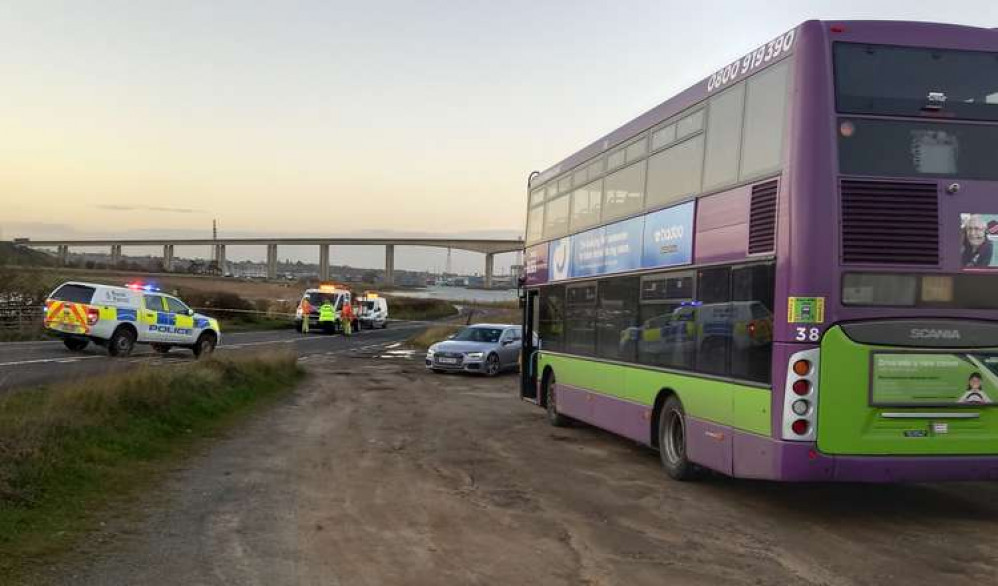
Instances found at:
x=118 y=318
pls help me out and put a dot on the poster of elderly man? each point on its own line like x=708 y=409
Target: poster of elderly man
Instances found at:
x=979 y=232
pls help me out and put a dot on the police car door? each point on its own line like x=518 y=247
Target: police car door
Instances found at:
x=183 y=321
x=153 y=322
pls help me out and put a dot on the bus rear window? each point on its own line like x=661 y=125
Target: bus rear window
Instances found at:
x=74 y=294
x=914 y=81
x=965 y=291
x=896 y=148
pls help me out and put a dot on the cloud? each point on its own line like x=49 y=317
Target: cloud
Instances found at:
x=121 y=208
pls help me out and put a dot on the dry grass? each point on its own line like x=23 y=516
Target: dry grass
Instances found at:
x=431 y=336
x=68 y=451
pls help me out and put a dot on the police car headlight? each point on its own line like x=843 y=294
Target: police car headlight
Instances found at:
x=475 y=354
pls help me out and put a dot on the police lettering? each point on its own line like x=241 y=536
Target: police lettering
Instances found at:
x=170 y=330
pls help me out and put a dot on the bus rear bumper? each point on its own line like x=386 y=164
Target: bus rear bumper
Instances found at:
x=758 y=457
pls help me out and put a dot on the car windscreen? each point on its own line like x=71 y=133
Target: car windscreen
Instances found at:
x=916 y=81
x=74 y=293
x=903 y=148
x=490 y=335
x=317 y=299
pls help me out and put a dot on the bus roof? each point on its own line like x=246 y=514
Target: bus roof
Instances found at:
x=943 y=34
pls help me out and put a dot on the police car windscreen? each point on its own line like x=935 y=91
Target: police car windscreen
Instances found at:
x=74 y=294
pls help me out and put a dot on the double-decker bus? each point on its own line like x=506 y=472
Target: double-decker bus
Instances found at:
x=788 y=271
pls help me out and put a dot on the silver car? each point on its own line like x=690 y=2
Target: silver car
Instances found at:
x=482 y=348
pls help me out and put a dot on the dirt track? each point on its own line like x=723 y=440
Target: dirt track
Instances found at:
x=378 y=473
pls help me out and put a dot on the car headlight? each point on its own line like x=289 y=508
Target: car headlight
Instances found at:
x=475 y=354
x=430 y=352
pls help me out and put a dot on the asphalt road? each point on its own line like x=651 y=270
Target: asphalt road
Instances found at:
x=39 y=363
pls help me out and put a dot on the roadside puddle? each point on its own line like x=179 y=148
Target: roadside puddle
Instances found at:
x=398 y=354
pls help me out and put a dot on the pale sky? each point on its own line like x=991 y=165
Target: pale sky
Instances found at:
x=329 y=118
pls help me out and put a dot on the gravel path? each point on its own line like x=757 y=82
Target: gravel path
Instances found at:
x=376 y=472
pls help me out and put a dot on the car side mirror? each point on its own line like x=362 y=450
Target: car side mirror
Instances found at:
x=190 y=312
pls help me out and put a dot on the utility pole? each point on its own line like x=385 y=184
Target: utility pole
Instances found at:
x=447 y=268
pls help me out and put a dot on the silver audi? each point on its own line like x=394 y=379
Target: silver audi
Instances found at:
x=482 y=348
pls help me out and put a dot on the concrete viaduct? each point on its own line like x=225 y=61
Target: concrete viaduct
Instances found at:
x=487 y=247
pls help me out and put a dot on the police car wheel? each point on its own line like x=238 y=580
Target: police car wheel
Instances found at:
x=161 y=348
x=75 y=344
x=204 y=346
x=122 y=342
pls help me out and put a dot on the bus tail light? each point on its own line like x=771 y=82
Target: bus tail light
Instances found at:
x=800 y=396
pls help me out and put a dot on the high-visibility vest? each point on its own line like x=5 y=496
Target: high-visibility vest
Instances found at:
x=347 y=311
x=326 y=312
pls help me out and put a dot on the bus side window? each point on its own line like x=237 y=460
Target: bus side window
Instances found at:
x=551 y=317
x=715 y=326
x=752 y=292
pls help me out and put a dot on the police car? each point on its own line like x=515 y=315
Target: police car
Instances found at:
x=118 y=318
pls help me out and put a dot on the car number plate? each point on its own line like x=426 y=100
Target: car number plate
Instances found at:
x=447 y=360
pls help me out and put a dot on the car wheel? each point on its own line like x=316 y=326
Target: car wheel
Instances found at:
x=122 y=342
x=75 y=344
x=161 y=348
x=492 y=365
x=551 y=403
x=205 y=345
x=672 y=441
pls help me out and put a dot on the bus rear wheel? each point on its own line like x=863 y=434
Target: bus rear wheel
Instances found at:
x=672 y=441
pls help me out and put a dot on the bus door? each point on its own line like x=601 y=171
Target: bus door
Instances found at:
x=528 y=351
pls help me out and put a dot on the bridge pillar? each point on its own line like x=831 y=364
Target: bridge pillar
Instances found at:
x=489 y=269
x=220 y=258
x=323 y=262
x=115 y=255
x=389 y=264
x=271 y=261
x=62 y=251
x=168 y=257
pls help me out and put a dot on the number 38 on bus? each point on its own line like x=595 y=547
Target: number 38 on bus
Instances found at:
x=789 y=270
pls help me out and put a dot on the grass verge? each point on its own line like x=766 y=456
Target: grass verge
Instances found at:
x=419 y=308
x=68 y=452
x=430 y=336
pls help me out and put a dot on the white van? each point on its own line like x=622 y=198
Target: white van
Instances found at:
x=118 y=318
x=373 y=311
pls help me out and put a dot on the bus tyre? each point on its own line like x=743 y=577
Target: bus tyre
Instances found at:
x=122 y=342
x=161 y=348
x=551 y=402
x=76 y=344
x=205 y=345
x=672 y=441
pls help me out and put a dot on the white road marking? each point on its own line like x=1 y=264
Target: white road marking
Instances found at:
x=46 y=360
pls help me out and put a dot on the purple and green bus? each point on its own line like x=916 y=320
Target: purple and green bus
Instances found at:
x=788 y=271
